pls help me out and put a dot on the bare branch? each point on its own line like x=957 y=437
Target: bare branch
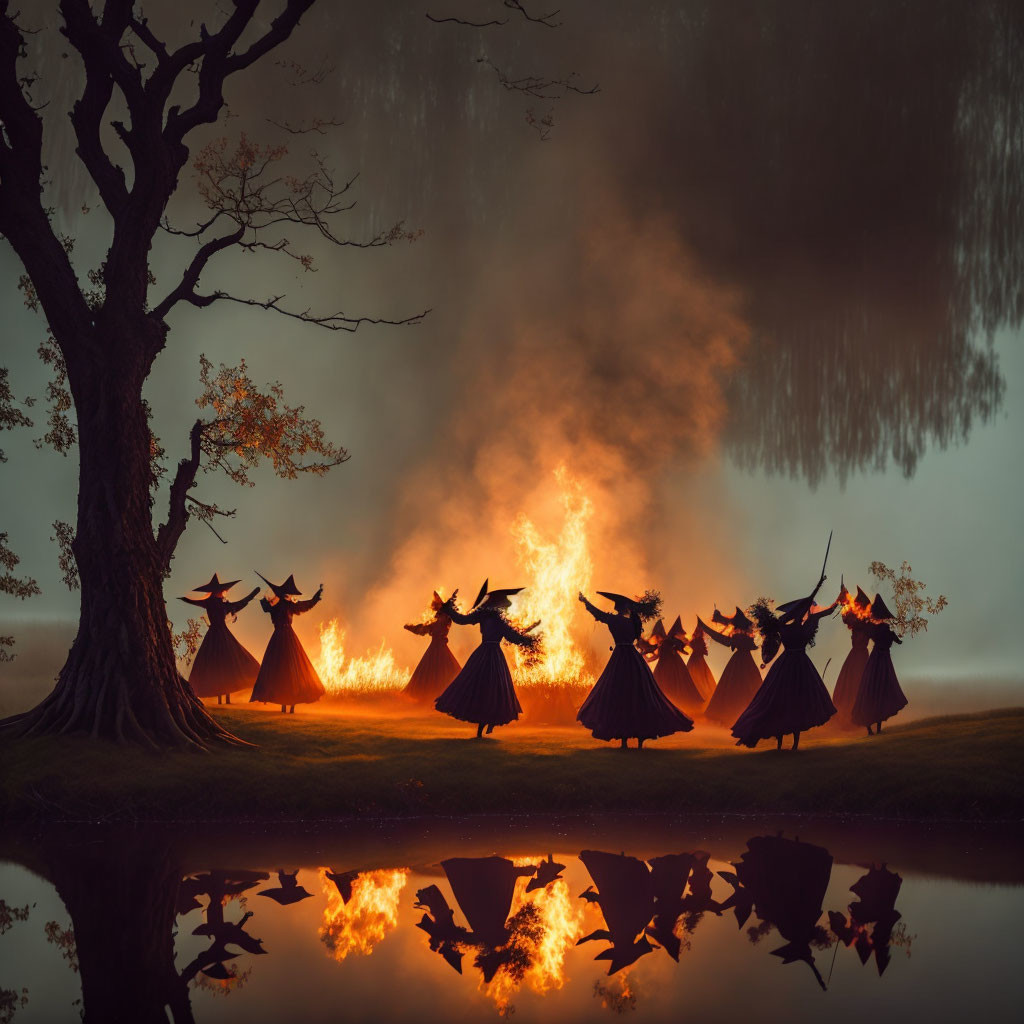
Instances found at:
x=463 y=21
x=177 y=512
x=539 y=87
x=317 y=125
x=547 y=20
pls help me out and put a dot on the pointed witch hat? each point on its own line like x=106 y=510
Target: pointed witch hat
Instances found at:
x=659 y=630
x=436 y=601
x=740 y=620
x=481 y=595
x=676 y=629
x=801 y=605
x=286 y=589
x=879 y=610
x=862 y=599
x=215 y=586
x=619 y=600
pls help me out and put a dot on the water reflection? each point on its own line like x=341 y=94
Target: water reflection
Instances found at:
x=151 y=939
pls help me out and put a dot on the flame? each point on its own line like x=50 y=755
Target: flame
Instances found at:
x=362 y=923
x=848 y=606
x=561 y=924
x=374 y=672
x=556 y=572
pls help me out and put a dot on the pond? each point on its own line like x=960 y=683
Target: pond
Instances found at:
x=652 y=919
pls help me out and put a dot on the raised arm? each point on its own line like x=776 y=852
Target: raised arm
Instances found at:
x=719 y=638
x=265 y=605
x=449 y=609
x=419 y=628
x=300 y=607
x=601 y=616
x=234 y=607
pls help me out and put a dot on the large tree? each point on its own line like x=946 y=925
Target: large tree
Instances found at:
x=141 y=109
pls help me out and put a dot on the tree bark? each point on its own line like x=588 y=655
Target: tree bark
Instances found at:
x=120 y=681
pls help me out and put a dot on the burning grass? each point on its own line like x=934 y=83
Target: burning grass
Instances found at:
x=371 y=764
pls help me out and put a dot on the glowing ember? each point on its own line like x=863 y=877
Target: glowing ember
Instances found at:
x=374 y=672
x=848 y=606
x=555 y=572
x=372 y=911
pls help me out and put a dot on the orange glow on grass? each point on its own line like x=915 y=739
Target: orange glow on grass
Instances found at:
x=357 y=927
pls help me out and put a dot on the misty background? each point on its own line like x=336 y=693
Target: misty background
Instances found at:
x=767 y=283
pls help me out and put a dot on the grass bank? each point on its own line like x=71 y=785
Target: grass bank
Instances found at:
x=329 y=766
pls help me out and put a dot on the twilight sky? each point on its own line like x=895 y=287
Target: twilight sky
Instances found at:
x=768 y=282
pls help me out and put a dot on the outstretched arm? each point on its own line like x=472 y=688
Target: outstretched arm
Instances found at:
x=419 y=628
x=199 y=602
x=304 y=606
x=234 y=607
x=719 y=638
x=601 y=616
x=449 y=609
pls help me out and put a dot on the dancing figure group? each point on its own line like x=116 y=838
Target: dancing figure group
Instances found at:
x=223 y=666
x=628 y=700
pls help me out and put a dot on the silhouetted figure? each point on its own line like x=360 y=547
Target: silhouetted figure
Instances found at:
x=286 y=676
x=792 y=698
x=700 y=672
x=438 y=666
x=669 y=877
x=625 y=893
x=222 y=666
x=880 y=695
x=548 y=871
x=626 y=701
x=343 y=882
x=783 y=881
x=446 y=937
x=288 y=890
x=857 y=617
x=220 y=887
x=670 y=672
x=740 y=677
x=878 y=890
x=482 y=692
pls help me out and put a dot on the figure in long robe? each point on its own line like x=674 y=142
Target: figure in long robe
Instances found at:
x=222 y=666
x=857 y=617
x=880 y=695
x=783 y=881
x=740 y=677
x=482 y=692
x=877 y=892
x=626 y=701
x=438 y=666
x=793 y=698
x=700 y=672
x=670 y=671
x=287 y=676
x=625 y=894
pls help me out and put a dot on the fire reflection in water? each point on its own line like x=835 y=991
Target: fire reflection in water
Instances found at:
x=361 y=909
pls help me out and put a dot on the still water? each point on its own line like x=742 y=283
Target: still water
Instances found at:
x=650 y=919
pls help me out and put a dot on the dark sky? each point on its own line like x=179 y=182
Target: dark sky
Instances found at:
x=764 y=284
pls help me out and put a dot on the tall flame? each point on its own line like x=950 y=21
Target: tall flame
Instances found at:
x=556 y=571
x=371 y=913
x=374 y=672
x=561 y=923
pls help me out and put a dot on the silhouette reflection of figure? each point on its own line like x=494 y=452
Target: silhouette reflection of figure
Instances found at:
x=792 y=698
x=288 y=890
x=625 y=893
x=222 y=666
x=740 y=677
x=857 y=617
x=343 y=882
x=670 y=672
x=700 y=672
x=672 y=876
x=626 y=701
x=783 y=881
x=878 y=891
x=220 y=887
x=484 y=888
x=548 y=871
x=438 y=666
x=286 y=676
x=482 y=692
x=880 y=695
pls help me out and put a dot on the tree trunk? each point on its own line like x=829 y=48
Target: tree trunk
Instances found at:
x=120 y=680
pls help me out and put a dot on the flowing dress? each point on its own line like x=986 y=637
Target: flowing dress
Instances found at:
x=673 y=677
x=880 y=696
x=626 y=701
x=700 y=671
x=740 y=680
x=287 y=675
x=792 y=697
x=438 y=666
x=222 y=665
x=844 y=696
x=482 y=692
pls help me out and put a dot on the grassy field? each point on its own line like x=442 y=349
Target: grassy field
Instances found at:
x=335 y=765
